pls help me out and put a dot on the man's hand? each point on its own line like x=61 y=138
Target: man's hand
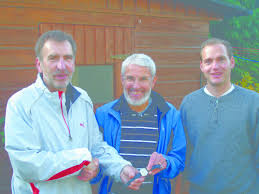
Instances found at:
x=127 y=173
x=155 y=159
x=90 y=171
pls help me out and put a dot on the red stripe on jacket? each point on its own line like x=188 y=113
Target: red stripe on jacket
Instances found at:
x=61 y=174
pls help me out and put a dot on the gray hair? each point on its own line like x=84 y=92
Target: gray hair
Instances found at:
x=213 y=41
x=141 y=60
x=55 y=35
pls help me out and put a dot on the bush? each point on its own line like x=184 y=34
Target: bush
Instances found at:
x=248 y=82
x=2 y=127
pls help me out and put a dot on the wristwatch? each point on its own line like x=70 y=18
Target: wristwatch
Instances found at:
x=143 y=172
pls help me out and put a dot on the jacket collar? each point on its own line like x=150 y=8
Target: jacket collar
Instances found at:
x=71 y=95
x=71 y=92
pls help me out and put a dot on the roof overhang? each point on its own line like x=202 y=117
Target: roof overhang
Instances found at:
x=217 y=8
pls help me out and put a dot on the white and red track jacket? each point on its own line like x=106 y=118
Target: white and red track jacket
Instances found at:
x=50 y=137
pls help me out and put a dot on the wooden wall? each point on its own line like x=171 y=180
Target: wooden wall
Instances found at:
x=170 y=33
x=174 y=45
x=98 y=45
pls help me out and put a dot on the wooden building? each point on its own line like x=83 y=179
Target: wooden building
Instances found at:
x=170 y=31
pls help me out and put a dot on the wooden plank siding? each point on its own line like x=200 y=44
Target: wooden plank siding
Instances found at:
x=20 y=76
x=181 y=56
x=18 y=36
x=169 y=40
x=174 y=44
x=17 y=60
x=160 y=8
x=13 y=79
x=171 y=25
x=96 y=45
x=170 y=33
x=47 y=15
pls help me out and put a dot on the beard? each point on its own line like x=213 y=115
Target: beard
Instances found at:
x=136 y=102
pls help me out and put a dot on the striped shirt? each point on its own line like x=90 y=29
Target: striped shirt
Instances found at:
x=139 y=136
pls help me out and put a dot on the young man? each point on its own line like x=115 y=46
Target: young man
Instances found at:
x=222 y=128
x=144 y=128
x=51 y=133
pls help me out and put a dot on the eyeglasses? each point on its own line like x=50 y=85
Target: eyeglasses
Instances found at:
x=132 y=79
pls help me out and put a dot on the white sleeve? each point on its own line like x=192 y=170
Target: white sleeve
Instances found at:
x=28 y=160
x=110 y=161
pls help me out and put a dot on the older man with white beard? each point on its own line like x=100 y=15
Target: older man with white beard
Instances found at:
x=144 y=128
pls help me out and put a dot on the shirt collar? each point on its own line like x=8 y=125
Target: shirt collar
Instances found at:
x=227 y=92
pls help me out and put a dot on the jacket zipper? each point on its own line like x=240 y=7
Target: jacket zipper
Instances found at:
x=60 y=99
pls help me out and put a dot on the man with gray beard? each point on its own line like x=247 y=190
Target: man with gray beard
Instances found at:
x=144 y=128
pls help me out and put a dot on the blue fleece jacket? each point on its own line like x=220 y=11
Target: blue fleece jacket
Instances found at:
x=171 y=143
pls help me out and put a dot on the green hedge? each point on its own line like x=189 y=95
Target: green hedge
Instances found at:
x=1 y=132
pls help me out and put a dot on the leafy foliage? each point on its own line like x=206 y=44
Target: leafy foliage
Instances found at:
x=1 y=132
x=248 y=82
x=241 y=32
x=249 y=4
